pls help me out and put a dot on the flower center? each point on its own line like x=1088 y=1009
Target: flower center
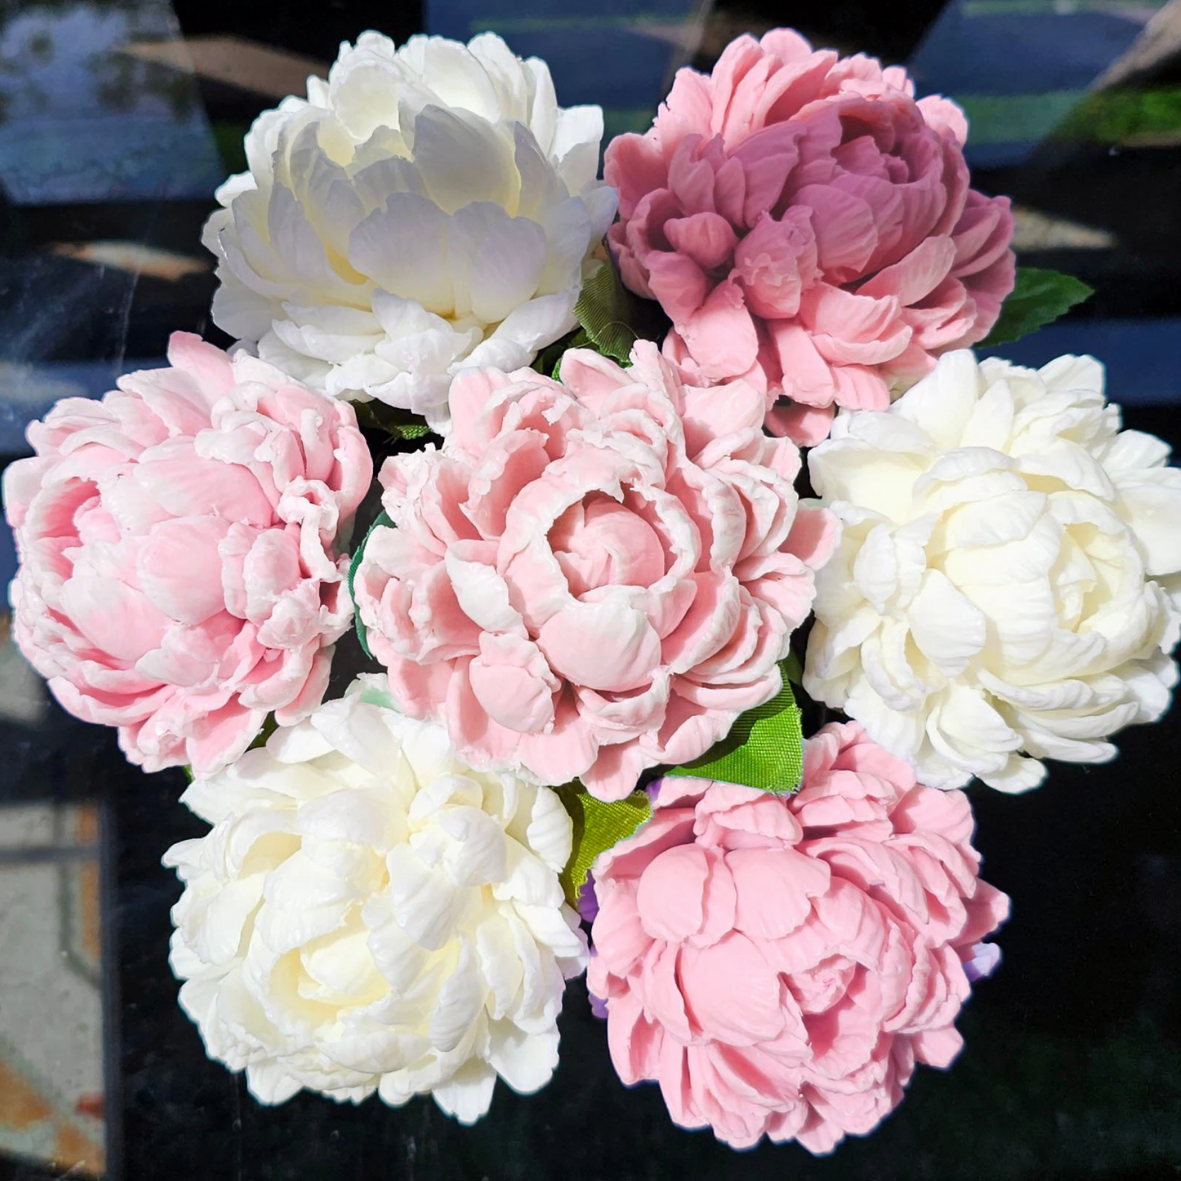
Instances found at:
x=601 y=543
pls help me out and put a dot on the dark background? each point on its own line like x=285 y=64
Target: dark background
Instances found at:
x=1073 y=1060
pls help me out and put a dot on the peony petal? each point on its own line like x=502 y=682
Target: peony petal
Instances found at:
x=601 y=645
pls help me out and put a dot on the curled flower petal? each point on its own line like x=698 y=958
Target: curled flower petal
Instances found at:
x=1005 y=589
x=394 y=925
x=808 y=228
x=429 y=209
x=179 y=571
x=779 y=963
x=641 y=562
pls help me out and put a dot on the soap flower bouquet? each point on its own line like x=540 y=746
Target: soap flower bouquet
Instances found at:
x=671 y=467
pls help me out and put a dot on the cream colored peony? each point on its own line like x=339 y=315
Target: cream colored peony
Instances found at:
x=426 y=208
x=1007 y=586
x=368 y=913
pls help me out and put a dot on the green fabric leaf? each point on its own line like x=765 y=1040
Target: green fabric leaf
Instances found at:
x=1039 y=297
x=362 y=633
x=597 y=826
x=399 y=424
x=611 y=319
x=579 y=340
x=764 y=749
x=605 y=311
x=547 y=361
x=793 y=670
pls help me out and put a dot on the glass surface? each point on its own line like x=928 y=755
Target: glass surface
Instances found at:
x=117 y=120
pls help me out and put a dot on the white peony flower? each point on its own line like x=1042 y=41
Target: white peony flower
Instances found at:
x=425 y=209
x=368 y=913
x=1006 y=588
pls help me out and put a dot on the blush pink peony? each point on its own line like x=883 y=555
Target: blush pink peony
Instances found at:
x=779 y=964
x=590 y=577
x=178 y=577
x=807 y=224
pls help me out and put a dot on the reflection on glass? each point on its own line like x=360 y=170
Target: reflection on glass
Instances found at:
x=1020 y=67
x=82 y=120
x=51 y=1015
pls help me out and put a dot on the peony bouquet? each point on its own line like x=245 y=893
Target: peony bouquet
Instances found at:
x=532 y=702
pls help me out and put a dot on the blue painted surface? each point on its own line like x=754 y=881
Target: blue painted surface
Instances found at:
x=633 y=79
x=996 y=48
x=1007 y=52
x=596 y=52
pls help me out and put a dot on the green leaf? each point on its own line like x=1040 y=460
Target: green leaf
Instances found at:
x=362 y=633
x=793 y=670
x=398 y=424
x=605 y=309
x=597 y=826
x=764 y=749
x=550 y=357
x=1039 y=297
x=611 y=319
x=579 y=340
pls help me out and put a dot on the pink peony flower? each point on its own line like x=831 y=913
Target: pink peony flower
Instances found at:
x=807 y=225
x=590 y=577
x=178 y=578
x=779 y=964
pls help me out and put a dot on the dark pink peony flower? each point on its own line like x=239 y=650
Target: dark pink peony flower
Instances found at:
x=178 y=577
x=809 y=226
x=779 y=964
x=591 y=576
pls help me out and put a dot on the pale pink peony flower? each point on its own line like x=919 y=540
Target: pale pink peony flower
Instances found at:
x=178 y=577
x=807 y=225
x=591 y=577
x=778 y=964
